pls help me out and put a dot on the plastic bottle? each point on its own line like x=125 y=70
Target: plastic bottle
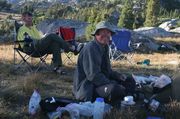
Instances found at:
x=27 y=40
x=107 y=108
x=34 y=102
x=98 y=111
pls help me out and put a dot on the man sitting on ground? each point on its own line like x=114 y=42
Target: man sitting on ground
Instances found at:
x=51 y=43
x=94 y=76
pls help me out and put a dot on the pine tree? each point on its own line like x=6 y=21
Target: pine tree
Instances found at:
x=152 y=12
x=176 y=14
x=127 y=18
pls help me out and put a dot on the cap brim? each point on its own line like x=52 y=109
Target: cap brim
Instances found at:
x=111 y=30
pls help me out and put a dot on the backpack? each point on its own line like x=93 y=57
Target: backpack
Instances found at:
x=50 y=104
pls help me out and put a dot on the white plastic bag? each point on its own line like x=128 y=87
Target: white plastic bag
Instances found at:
x=140 y=79
x=143 y=79
x=34 y=102
x=162 y=81
x=76 y=110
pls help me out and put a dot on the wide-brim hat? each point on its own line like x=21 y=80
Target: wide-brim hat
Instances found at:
x=103 y=25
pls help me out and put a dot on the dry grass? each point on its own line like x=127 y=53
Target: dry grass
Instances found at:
x=16 y=88
x=175 y=40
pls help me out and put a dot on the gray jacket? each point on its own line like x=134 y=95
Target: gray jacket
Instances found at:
x=93 y=70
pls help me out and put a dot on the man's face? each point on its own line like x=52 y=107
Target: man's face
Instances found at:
x=27 y=19
x=103 y=36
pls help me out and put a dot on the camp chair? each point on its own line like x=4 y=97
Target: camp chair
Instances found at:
x=68 y=34
x=119 y=47
x=26 y=57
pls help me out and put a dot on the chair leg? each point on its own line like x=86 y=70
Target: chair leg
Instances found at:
x=24 y=58
x=129 y=58
x=42 y=63
x=68 y=58
x=22 y=62
x=29 y=66
x=118 y=55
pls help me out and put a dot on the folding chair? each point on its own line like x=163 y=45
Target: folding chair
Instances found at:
x=26 y=57
x=119 y=47
x=68 y=34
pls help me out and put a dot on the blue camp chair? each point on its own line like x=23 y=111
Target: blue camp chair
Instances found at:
x=119 y=47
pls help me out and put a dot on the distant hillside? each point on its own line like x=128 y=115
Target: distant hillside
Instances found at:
x=16 y=4
x=170 y=4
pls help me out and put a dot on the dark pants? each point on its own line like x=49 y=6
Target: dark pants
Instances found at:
x=51 y=44
x=114 y=92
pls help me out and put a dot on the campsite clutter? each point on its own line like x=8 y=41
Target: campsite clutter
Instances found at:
x=74 y=109
x=58 y=107
x=159 y=82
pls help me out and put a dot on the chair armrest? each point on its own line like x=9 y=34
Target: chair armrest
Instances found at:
x=22 y=41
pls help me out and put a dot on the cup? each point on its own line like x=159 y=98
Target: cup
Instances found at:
x=129 y=100
x=154 y=104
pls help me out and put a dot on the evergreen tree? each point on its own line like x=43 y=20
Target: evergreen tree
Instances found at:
x=27 y=7
x=176 y=14
x=152 y=11
x=170 y=4
x=4 y=5
x=127 y=18
x=138 y=21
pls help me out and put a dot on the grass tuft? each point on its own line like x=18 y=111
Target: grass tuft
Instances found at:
x=31 y=82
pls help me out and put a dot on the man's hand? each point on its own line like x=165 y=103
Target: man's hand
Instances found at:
x=123 y=77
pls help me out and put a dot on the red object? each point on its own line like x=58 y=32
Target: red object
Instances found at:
x=67 y=33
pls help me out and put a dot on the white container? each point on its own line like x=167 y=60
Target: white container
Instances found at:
x=98 y=111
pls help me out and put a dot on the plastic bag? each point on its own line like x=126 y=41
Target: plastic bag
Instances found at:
x=140 y=79
x=143 y=79
x=85 y=109
x=76 y=110
x=162 y=81
x=34 y=102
